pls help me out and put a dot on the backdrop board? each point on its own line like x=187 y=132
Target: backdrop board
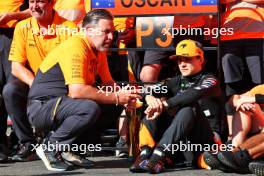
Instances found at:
x=154 y=32
x=155 y=7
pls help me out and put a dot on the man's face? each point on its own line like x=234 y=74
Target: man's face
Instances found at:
x=41 y=9
x=189 y=65
x=102 y=35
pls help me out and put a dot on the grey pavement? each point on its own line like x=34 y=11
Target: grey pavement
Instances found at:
x=104 y=166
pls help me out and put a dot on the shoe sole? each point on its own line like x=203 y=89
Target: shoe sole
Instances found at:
x=257 y=168
x=4 y=160
x=230 y=165
x=138 y=170
x=32 y=157
x=214 y=163
x=79 y=164
x=211 y=161
x=42 y=156
x=76 y=163
x=122 y=155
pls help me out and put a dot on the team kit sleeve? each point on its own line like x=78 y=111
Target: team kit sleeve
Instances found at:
x=18 y=46
x=258 y=92
x=208 y=88
x=73 y=63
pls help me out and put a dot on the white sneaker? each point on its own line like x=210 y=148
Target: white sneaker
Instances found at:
x=77 y=159
x=51 y=159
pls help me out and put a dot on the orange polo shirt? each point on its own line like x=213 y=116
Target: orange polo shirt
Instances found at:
x=72 y=10
x=10 y=6
x=80 y=65
x=30 y=45
x=246 y=20
x=257 y=90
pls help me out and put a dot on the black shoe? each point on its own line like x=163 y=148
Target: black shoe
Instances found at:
x=141 y=163
x=77 y=159
x=156 y=162
x=211 y=160
x=257 y=167
x=25 y=153
x=3 y=156
x=238 y=161
x=51 y=159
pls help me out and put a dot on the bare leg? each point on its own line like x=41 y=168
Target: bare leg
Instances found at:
x=150 y=73
x=257 y=119
x=230 y=123
x=255 y=146
x=123 y=126
x=241 y=126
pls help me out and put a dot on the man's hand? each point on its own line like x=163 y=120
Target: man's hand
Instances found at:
x=151 y=115
x=245 y=99
x=127 y=98
x=6 y=17
x=246 y=107
x=20 y=71
x=155 y=107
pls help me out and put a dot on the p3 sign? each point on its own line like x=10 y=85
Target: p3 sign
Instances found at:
x=150 y=32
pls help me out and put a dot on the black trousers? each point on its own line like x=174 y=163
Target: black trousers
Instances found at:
x=15 y=96
x=187 y=124
x=6 y=35
x=70 y=119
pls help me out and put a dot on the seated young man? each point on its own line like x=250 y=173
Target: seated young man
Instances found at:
x=245 y=159
x=178 y=117
x=248 y=120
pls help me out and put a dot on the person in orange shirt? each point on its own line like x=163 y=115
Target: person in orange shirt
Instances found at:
x=249 y=117
x=64 y=97
x=248 y=121
x=242 y=52
x=73 y=10
x=9 y=15
x=33 y=39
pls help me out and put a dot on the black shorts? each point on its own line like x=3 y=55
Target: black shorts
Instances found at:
x=138 y=59
x=243 y=59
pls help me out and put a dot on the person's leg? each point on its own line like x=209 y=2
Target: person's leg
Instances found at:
x=152 y=65
x=5 y=70
x=72 y=117
x=68 y=118
x=135 y=59
x=246 y=122
x=254 y=54
x=258 y=120
x=15 y=96
x=187 y=124
x=149 y=133
x=233 y=68
x=241 y=126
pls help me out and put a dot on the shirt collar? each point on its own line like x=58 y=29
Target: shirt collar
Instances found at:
x=90 y=47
